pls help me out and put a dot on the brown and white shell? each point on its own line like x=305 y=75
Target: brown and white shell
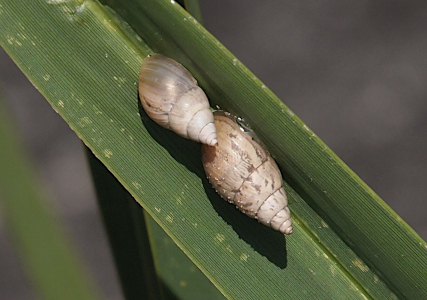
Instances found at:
x=171 y=97
x=243 y=172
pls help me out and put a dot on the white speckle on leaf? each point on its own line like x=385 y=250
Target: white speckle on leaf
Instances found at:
x=83 y=122
x=157 y=209
x=244 y=257
x=219 y=238
x=193 y=19
x=96 y=110
x=22 y=36
x=56 y=1
x=136 y=184
x=169 y=218
x=108 y=153
x=80 y=102
x=46 y=77
x=358 y=263
x=80 y=8
x=13 y=41
x=97 y=141
x=61 y=103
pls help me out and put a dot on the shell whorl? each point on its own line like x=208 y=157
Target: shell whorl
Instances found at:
x=243 y=172
x=171 y=97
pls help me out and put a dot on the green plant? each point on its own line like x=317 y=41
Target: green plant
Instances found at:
x=347 y=242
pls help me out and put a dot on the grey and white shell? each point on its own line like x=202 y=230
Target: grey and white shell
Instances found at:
x=243 y=172
x=171 y=97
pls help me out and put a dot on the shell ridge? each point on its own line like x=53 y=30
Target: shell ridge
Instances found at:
x=192 y=117
x=278 y=211
x=238 y=190
x=232 y=123
x=176 y=100
x=201 y=129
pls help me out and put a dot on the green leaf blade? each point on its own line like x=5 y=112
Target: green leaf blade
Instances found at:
x=98 y=98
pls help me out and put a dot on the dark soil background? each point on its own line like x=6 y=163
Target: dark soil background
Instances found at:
x=354 y=71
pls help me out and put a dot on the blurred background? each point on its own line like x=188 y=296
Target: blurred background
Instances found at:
x=354 y=71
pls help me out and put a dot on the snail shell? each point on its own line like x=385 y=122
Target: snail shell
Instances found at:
x=171 y=97
x=243 y=172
